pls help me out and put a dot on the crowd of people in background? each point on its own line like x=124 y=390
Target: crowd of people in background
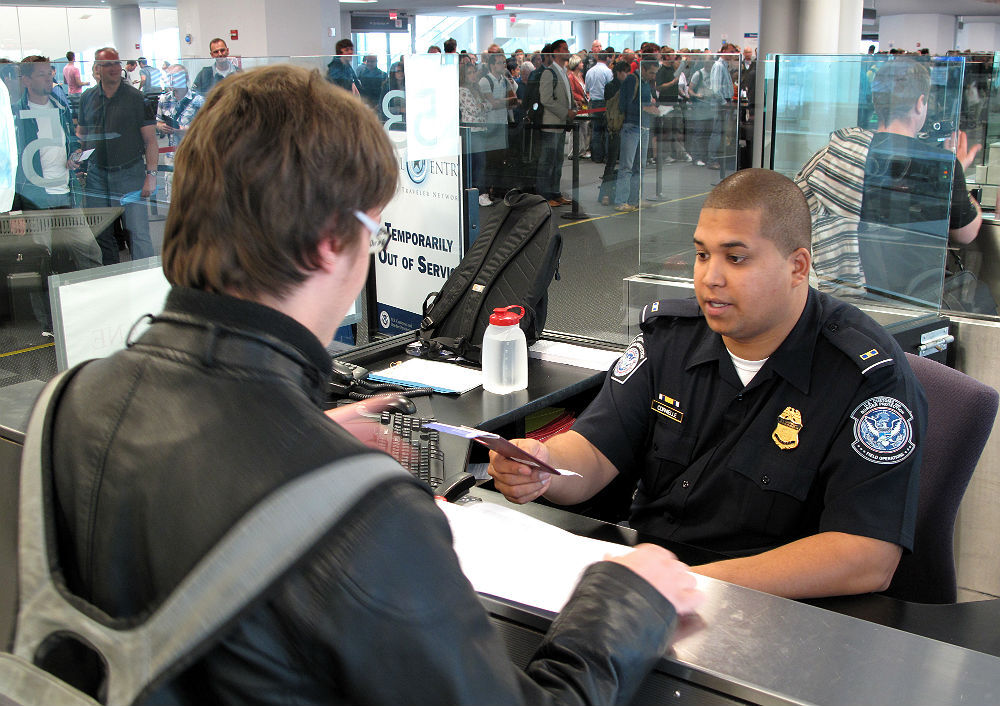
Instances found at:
x=680 y=106
x=684 y=106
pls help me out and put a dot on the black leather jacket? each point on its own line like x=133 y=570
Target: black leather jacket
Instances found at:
x=158 y=449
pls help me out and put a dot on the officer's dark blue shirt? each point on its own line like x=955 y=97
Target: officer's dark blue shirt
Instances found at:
x=824 y=438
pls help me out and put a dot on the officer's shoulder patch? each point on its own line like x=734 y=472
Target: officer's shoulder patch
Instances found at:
x=883 y=430
x=867 y=353
x=630 y=361
x=677 y=308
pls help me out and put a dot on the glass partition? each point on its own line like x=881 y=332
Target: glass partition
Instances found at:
x=872 y=142
x=694 y=140
x=467 y=129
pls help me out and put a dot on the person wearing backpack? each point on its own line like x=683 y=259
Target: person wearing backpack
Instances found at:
x=159 y=449
x=639 y=108
x=610 y=176
x=557 y=111
x=494 y=89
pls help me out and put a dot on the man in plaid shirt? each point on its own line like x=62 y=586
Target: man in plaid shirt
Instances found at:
x=174 y=114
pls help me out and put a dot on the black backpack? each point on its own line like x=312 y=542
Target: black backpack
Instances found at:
x=512 y=261
x=532 y=102
x=614 y=110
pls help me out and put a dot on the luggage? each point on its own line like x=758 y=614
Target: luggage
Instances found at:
x=532 y=102
x=512 y=261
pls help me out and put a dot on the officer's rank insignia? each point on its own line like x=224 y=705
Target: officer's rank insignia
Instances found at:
x=668 y=407
x=786 y=433
x=868 y=354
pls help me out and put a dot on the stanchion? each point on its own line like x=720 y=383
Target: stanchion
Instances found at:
x=659 y=167
x=575 y=213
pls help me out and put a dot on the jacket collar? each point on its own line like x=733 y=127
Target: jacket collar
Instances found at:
x=255 y=321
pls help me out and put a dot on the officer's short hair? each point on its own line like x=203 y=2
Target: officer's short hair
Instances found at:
x=785 y=214
x=897 y=86
x=277 y=160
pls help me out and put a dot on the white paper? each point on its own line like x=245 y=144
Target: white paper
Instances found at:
x=508 y=554
x=96 y=315
x=569 y=354
x=443 y=377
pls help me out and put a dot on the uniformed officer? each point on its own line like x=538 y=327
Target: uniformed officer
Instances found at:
x=762 y=420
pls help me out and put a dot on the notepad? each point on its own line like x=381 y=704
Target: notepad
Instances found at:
x=441 y=377
x=505 y=553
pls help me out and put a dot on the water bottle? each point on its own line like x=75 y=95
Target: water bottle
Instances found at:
x=505 y=352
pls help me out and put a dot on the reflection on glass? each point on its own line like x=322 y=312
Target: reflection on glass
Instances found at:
x=886 y=178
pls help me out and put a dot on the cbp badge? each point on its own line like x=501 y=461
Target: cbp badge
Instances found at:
x=883 y=432
x=630 y=361
x=786 y=433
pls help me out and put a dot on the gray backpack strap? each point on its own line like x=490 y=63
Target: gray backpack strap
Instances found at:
x=253 y=554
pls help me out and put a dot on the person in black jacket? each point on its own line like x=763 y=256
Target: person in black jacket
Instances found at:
x=160 y=448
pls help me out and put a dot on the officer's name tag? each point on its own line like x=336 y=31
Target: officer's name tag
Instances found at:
x=668 y=407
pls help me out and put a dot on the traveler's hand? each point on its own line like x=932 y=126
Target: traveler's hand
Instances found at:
x=959 y=144
x=148 y=186
x=517 y=482
x=666 y=574
x=18 y=226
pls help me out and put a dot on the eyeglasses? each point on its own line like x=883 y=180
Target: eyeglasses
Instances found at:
x=104 y=64
x=379 y=235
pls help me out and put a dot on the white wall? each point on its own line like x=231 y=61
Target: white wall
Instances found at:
x=978 y=36
x=936 y=32
x=731 y=19
x=205 y=20
x=302 y=28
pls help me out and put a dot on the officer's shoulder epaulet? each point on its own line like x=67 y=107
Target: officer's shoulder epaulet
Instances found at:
x=863 y=348
x=676 y=308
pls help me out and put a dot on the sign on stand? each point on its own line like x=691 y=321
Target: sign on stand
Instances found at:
x=424 y=218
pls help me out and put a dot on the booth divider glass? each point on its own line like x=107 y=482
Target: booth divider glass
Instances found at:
x=872 y=141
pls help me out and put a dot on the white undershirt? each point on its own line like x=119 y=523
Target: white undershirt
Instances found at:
x=52 y=157
x=746 y=369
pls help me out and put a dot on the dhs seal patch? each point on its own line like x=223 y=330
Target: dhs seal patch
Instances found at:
x=633 y=357
x=883 y=432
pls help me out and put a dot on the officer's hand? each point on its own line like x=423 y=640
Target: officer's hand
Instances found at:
x=666 y=574
x=517 y=482
x=959 y=144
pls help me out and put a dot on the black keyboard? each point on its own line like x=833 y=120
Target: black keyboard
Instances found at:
x=422 y=452
x=417 y=449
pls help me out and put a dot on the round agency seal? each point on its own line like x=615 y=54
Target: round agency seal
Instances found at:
x=383 y=318
x=417 y=170
x=629 y=362
x=883 y=430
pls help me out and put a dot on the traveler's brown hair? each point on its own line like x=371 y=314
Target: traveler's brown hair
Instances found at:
x=277 y=160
